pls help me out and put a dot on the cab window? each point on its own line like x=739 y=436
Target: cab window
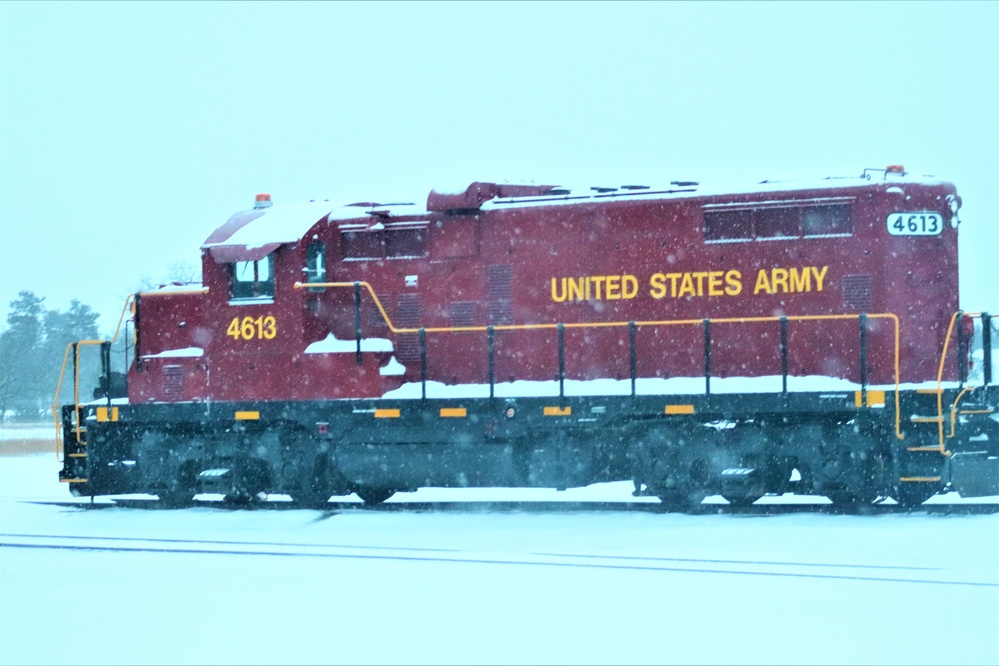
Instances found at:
x=315 y=264
x=252 y=279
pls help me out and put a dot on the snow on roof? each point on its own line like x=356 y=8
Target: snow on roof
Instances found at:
x=250 y=235
x=253 y=234
x=580 y=195
x=286 y=223
x=376 y=212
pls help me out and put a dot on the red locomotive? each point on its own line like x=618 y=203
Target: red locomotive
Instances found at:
x=784 y=337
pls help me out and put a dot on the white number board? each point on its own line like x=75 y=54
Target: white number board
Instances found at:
x=922 y=223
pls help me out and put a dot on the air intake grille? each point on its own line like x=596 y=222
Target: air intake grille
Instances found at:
x=500 y=294
x=173 y=381
x=409 y=317
x=858 y=291
x=462 y=313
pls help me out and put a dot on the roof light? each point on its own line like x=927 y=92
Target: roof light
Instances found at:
x=895 y=168
x=262 y=201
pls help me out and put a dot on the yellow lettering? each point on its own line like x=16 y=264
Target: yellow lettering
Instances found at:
x=575 y=289
x=800 y=282
x=779 y=277
x=657 y=285
x=700 y=282
x=733 y=280
x=613 y=288
x=715 y=283
x=629 y=286
x=687 y=286
x=555 y=295
x=673 y=277
x=597 y=280
x=762 y=282
x=270 y=328
x=248 y=328
x=819 y=276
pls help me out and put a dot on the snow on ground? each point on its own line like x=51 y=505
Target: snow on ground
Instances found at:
x=487 y=581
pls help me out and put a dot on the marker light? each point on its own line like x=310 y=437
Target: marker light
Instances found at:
x=263 y=201
x=895 y=168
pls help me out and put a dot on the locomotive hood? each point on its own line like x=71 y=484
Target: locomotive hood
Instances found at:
x=253 y=234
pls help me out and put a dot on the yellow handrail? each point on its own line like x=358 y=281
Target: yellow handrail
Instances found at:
x=953 y=410
x=76 y=378
x=942 y=448
x=616 y=324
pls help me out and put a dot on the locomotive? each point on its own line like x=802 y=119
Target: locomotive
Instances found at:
x=782 y=337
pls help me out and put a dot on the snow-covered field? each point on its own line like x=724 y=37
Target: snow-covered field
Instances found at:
x=469 y=576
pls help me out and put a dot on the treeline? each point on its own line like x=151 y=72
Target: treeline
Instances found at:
x=31 y=354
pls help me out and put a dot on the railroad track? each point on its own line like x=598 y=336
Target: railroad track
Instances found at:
x=515 y=506
x=208 y=547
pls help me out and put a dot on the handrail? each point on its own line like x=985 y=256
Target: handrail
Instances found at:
x=953 y=410
x=76 y=378
x=620 y=324
x=942 y=447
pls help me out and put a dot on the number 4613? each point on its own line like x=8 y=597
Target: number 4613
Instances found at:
x=249 y=328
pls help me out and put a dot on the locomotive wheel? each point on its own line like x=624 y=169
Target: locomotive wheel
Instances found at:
x=315 y=492
x=741 y=500
x=373 y=496
x=182 y=493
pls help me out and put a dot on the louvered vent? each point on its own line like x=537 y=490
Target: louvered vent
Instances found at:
x=462 y=313
x=173 y=381
x=858 y=291
x=409 y=317
x=500 y=294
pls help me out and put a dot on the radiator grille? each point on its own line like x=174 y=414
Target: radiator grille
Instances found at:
x=173 y=381
x=499 y=292
x=858 y=292
x=409 y=317
x=462 y=313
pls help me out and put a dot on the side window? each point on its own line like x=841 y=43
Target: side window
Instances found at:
x=315 y=264
x=773 y=223
x=824 y=220
x=778 y=223
x=252 y=279
x=362 y=244
x=728 y=225
x=394 y=241
x=406 y=243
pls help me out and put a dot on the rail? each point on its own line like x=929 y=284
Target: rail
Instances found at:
x=74 y=347
x=632 y=326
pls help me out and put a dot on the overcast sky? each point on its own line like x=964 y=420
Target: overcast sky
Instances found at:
x=129 y=131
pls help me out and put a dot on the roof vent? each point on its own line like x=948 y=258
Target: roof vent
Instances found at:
x=478 y=193
x=262 y=201
x=684 y=183
x=604 y=189
x=634 y=187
